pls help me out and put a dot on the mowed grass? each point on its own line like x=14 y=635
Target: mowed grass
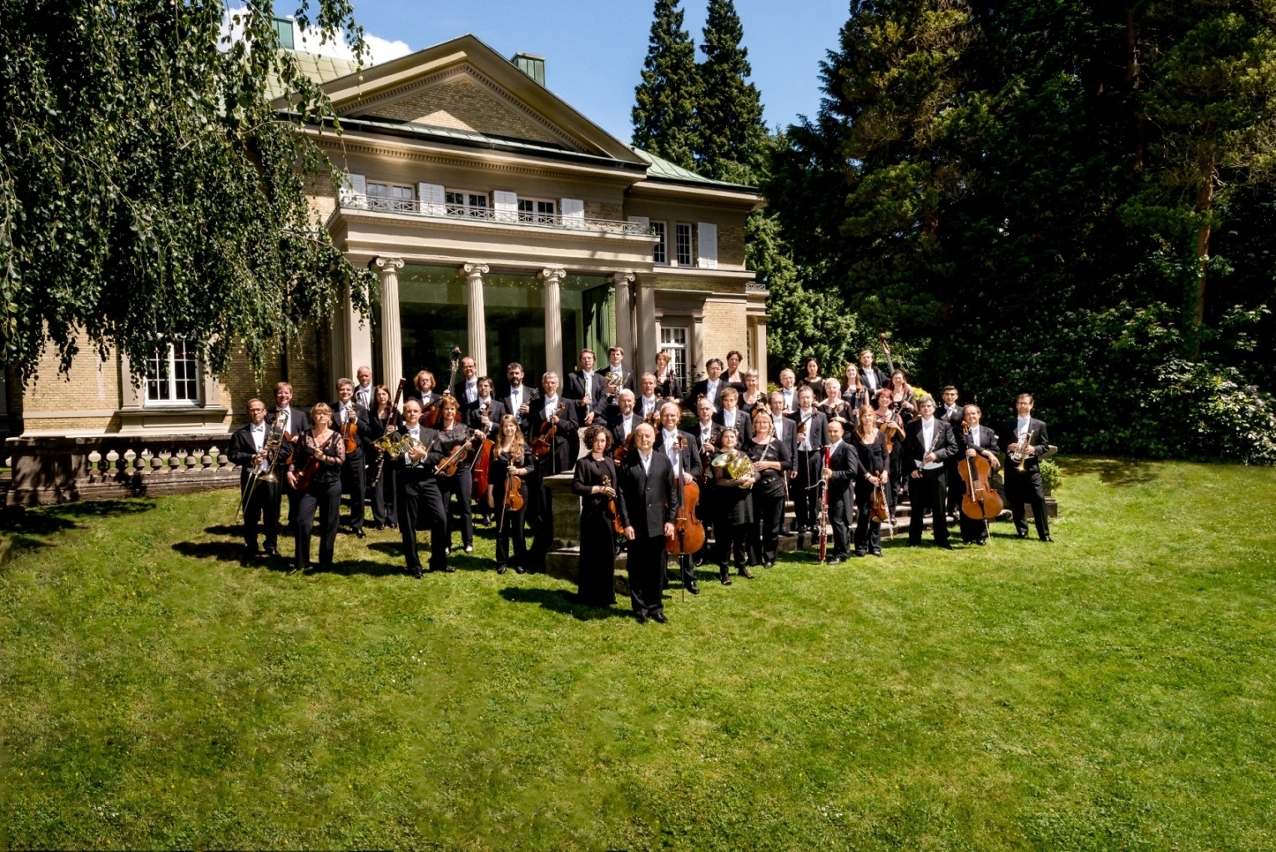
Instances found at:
x=1114 y=690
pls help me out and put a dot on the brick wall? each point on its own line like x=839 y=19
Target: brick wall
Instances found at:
x=87 y=395
x=725 y=328
x=603 y=210
x=307 y=365
x=464 y=104
x=731 y=246
x=321 y=192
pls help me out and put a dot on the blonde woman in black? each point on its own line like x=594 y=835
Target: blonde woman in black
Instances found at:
x=320 y=451
x=869 y=444
x=772 y=461
x=453 y=433
x=509 y=457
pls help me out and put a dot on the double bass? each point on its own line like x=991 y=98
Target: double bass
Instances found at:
x=688 y=533
x=980 y=502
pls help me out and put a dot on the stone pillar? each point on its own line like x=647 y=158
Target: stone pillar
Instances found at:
x=759 y=351
x=646 y=345
x=358 y=341
x=391 y=332
x=477 y=316
x=624 y=316
x=553 y=278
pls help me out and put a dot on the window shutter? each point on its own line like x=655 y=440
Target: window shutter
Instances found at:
x=573 y=212
x=431 y=197
x=707 y=257
x=506 y=204
x=357 y=194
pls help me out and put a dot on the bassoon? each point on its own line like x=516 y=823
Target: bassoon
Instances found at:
x=390 y=421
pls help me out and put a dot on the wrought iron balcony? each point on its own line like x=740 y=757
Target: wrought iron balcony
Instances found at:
x=557 y=221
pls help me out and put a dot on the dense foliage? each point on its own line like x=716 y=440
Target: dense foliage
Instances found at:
x=664 y=113
x=1063 y=196
x=148 y=192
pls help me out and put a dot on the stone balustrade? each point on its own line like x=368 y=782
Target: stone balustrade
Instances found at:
x=55 y=469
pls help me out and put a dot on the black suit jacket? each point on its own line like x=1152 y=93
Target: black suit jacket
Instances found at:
x=943 y=442
x=715 y=439
x=1009 y=434
x=844 y=462
x=743 y=426
x=701 y=388
x=818 y=429
x=690 y=454
x=647 y=501
x=299 y=422
x=786 y=433
x=363 y=428
x=562 y=457
x=507 y=402
x=242 y=449
x=411 y=477
x=575 y=390
x=987 y=441
x=618 y=421
x=881 y=378
x=495 y=410
x=954 y=419
x=628 y=376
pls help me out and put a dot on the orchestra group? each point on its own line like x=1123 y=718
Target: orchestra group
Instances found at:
x=847 y=451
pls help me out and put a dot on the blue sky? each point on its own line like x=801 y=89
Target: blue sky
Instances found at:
x=594 y=49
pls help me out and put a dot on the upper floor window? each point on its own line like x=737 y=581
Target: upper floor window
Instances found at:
x=464 y=203
x=390 y=196
x=660 y=251
x=172 y=376
x=536 y=211
x=674 y=341
x=682 y=238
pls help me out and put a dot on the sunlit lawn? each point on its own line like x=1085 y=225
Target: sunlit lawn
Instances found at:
x=1114 y=690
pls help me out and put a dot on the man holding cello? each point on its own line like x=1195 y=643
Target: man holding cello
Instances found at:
x=684 y=454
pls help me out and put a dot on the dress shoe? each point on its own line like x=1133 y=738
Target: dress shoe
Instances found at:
x=642 y=619
x=724 y=576
x=1021 y=535
x=659 y=618
x=982 y=542
x=519 y=569
x=379 y=525
x=1047 y=538
x=469 y=548
x=416 y=572
x=500 y=569
x=946 y=546
x=293 y=570
x=743 y=571
x=801 y=541
x=877 y=553
x=768 y=564
x=693 y=587
x=448 y=569
x=360 y=533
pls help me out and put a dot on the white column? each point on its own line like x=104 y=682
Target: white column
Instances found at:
x=759 y=351
x=553 y=278
x=358 y=341
x=477 y=315
x=647 y=345
x=624 y=316
x=391 y=332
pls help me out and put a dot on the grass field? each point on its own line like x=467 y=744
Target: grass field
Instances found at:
x=1115 y=690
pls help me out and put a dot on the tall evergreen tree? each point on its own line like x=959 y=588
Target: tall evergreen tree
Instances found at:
x=664 y=114
x=729 y=109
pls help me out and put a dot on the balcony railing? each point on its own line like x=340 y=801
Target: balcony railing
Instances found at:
x=352 y=201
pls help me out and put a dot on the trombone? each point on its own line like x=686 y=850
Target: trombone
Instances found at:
x=270 y=450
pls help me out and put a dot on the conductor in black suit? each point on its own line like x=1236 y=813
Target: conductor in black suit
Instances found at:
x=346 y=411
x=648 y=504
x=1025 y=435
x=295 y=422
x=247 y=449
x=839 y=476
x=928 y=443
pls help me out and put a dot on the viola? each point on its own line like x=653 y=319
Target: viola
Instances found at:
x=612 y=512
x=450 y=465
x=350 y=429
x=877 y=510
x=688 y=533
x=543 y=443
x=513 y=489
x=619 y=454
x=980 y=502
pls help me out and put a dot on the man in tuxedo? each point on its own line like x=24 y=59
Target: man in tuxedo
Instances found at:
x=247 y=449
x=683 y=453
x=839 y=476
x=587 y=390
x=616 y=368
x=550 y=409
x=811 y=434
x=973 y=440
x=518 y=400
x=928 y=443
x=788 y=390
x=1025 y=435
x=711 y=387
x=708 y=436
x=626 y=419
x=951 y=413
x=349 y=415
x=363 y=392
x=487 y=411
x=418 y=500
x=648 y=500
x=648 y=403
x=295 y=422
x=870 y=377
x=785 y=432
x=730 y=416
x=467 y=391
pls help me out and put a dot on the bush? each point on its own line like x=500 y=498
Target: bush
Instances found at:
x=1051 y=476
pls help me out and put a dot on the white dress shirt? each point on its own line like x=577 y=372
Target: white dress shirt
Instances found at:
x=646 y=463
x=471 y=391
x=672 y=451
x=807 y=416
x=259 y=440
x=551 y=406
x=928 y=434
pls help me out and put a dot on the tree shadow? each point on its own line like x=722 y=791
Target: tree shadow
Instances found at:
x=555 y=600
x=27 y=527
x=366 y=567
x=222 y=551
x=1119 y=473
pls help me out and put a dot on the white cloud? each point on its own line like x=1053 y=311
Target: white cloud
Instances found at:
x=311 y=40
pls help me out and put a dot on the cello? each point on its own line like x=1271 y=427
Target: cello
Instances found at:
x=688 y=533
x=980 y=502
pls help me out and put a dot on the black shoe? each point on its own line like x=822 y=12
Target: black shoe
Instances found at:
x=416 y=572
x=801 y=536
x=448 y=569
x=693 y=587
x=659 y=618
x=860 y=553
x=946 y=546
x=834 y=561
x=768 y=564
x=877 y=553
x=360 y=533
x=1021 y=535
x=293 y=570
x=642 y=619
x=724 y=577
x=272 y=553
x=519 y=569
x=982 y=542
x=744 y=572
x=500 y=569
x=1047 y=538
x=379 y=525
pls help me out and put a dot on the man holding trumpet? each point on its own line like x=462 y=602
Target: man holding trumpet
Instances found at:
x=258 y=458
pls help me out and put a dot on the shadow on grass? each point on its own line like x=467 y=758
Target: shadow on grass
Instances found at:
x=222 y=551
x=25 y=527
x=556 y=600
x=367 y=567
x=1118 y=473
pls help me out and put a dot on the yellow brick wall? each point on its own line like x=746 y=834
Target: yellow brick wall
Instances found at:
x=238 y=384
x=604 y=210
x=90 y=386
x=725 y=328
x=731 y=246
x=465 y=104
x=321 y=192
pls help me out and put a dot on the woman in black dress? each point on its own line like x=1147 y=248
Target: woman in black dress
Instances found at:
x=453 y=433
x=510 y=457
x=891 y=424
x=874 y=470
x=594 y=481
x=383 y=492
x=753 y=397
x=812 y=379
x=667 y=384
x=772 y=461
x=322 y=450
x=734 y=511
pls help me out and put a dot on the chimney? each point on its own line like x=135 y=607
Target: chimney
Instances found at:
x=283 y=28
x=532 y=66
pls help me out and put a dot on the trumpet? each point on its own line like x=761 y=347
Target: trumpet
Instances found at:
x=1021 y=456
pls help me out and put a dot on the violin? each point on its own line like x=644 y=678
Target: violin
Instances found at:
x=611 y=511
x=621 y=452
x=543 y=443
x=449 y=465
x=310 y=468
x=877 y=510
x=513 y=489
x=980 y=502
x=688 y=533
x=350 y=429
x=481 y=468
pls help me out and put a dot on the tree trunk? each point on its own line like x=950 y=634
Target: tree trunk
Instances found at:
x=1132 y=79
x=1204 y=204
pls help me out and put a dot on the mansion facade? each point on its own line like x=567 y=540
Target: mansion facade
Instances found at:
x=498 y=219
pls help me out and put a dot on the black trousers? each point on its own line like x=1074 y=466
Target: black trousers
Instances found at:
x=806 y=500
x=929 y=492
x=840 y=504
x=868 y=533
x=954 y=485
x=354 y=483
x=768 y=514
x=646 y=568
x=420 y=505
x=383 y=496
x=510 y=526
x=541 y=518
x=461 y=487
x=1024 y=488
x=262 y=509
x=326 y=497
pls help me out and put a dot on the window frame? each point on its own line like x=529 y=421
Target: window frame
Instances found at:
x=193 y=378
x=679 y=353
x=468 y=207
x=661 y=229
x=390 y=202
x=679 y=229
x=537 y=216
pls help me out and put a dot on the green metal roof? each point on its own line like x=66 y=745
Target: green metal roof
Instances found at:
x=661 y=168
x=319 y=68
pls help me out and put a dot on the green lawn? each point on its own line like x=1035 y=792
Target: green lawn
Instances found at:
x=1114 y=690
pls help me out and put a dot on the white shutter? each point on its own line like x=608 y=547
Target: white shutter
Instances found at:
x=707 y=256
x=506 y=204
x=573 y=212
x=431 y=198
x=356 y=194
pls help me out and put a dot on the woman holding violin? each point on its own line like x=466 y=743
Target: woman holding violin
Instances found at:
x=381 y=420
x=314 y=472
x=594 y=481
x=871 y=485
x=891 y=423
x=902 y=397
x=974 y=440
x=753 y=397
x=455 y=441
x=507 y=492
x=772 y=461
